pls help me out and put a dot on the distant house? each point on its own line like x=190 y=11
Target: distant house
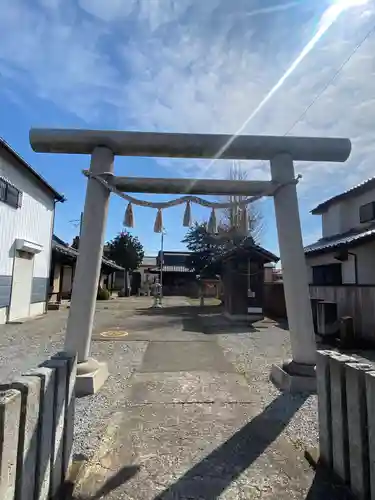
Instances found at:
x=272 y=274
x=178 y=278
x=341 y=264
x=345 y=255
x=143 y=277
x=139 y=277
x=27 y=209
x=63 y=264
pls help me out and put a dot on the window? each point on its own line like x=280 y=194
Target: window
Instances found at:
x=367 y=212
x=329 y=274
x=3 y=189
x=10 y=194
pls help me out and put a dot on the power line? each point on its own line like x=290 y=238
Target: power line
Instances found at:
x=357 y=47
x=318 y=96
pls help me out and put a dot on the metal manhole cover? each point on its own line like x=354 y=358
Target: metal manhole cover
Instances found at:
x=114 y=334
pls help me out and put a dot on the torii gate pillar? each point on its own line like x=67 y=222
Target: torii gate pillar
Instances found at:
x=280 y=151
x=299 y=373
x=90 y=373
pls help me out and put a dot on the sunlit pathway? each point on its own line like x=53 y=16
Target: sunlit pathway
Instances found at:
x=196 y=417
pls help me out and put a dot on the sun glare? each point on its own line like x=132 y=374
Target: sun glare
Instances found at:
x=329 y=17
x=345 y=4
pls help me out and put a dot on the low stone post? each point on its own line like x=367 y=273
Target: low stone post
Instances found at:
x=323 y=382
x=57 y=462
x=347 y=334
x=370 y=399
x=340 y=442
x=28 y=438
x=357 y=428
x=71 y=368
x=10 y=411
x=46 y=417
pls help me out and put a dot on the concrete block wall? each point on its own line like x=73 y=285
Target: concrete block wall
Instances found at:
x=36 y=430
x=346 y=406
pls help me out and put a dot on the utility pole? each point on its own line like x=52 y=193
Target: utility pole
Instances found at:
x=161 y=264
x=78 y=223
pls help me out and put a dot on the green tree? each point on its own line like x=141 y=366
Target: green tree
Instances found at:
x=126 y=250
x=204 y=248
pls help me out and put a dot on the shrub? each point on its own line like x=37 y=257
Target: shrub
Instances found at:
x=103 y=294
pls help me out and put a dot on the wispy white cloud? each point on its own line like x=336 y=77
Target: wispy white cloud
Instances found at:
x=187 y=65
x=273 y=9
x=115 y=10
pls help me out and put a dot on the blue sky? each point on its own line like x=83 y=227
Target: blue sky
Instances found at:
x=186 y=66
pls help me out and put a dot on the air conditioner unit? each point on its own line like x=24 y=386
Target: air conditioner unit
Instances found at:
x=327 y=319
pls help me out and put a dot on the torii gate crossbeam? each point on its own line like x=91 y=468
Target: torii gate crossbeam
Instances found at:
x=280 y=151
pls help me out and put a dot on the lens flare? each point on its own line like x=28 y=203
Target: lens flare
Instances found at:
x=346 y=4
x=328 y=18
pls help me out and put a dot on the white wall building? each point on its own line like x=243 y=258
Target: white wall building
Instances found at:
x=345 y=255
x=27 y=208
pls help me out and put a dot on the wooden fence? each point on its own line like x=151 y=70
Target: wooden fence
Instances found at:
x=355 y=301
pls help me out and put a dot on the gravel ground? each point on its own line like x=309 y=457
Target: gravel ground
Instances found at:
x=253 y=355
x=25 y=346
x=93 y=412
x=236 y=444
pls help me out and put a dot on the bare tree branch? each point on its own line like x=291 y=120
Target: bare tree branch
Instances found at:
x=230 y=218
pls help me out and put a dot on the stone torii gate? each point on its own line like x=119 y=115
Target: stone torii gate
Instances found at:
x=104 y=145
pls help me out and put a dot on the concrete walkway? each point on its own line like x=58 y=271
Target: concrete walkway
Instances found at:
x=194 y=416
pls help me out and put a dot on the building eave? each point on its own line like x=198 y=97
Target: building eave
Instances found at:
x=57 y=196
x=363 y=187
x=265 y=255
x=73 y=253
x=341 y=241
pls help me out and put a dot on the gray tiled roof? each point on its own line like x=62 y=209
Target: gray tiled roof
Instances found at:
x=248 y=246
x=359 y=188
x=72 y=252
x=348 y=239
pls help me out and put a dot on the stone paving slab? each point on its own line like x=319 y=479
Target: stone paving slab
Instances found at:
x=189 y=387
x=185 y=356
x=167 y=444
x=138 y=331
x=199 y=451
